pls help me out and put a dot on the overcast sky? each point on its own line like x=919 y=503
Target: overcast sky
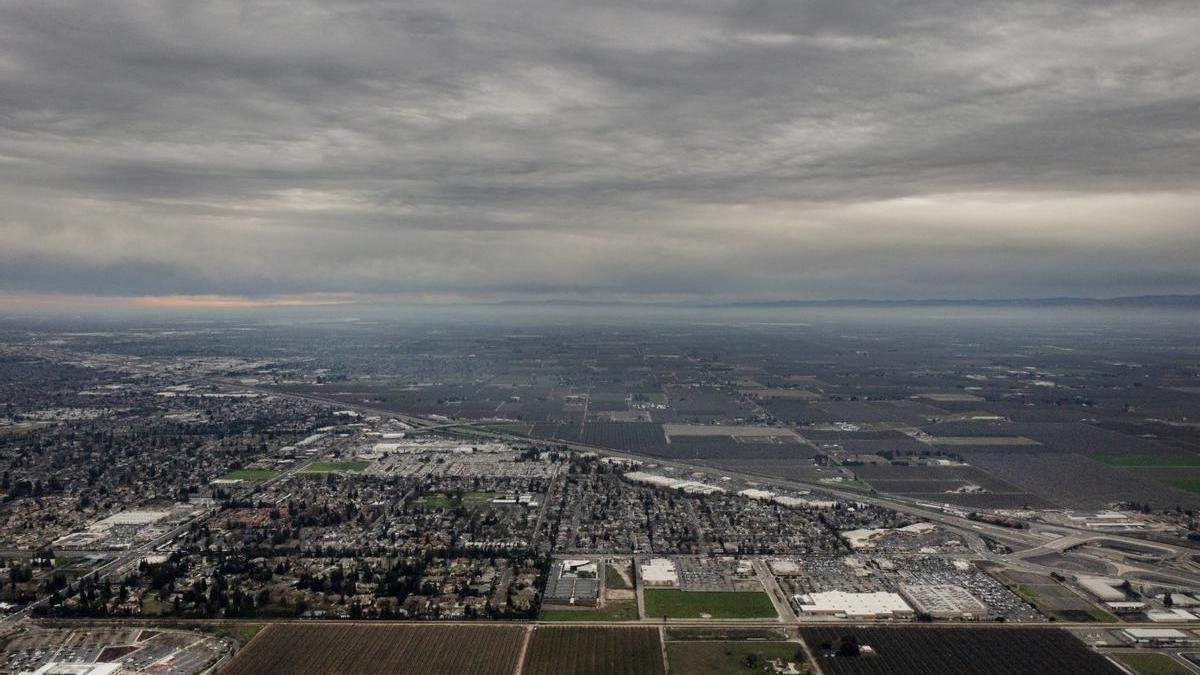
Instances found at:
x=684 y=149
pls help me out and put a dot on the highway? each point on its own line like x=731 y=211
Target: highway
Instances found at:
x=1031 y=542
x=1035 y=536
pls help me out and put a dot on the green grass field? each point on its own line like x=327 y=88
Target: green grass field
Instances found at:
x=1101 y=616
x=726 y=657
x=1189 y=484
x=1182 y=459
x=613 y=578
x=1093 y=612
x=470 y=500
x=334 y=467
x=250 y=474
x=1152 y=664
x=438 y=501
x=474 y=500
x=242 y=632
x=520 y=428
x=675 y=604
x=625 y=610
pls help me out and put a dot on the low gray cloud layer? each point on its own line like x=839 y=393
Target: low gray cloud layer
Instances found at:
x=760 y=148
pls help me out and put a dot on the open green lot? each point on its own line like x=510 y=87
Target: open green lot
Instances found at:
x=1189 y=484
x=334 y=467
x=474 y=500
x=625 y=610
x=1150 y=663
x=613 y=578
x=1181 y=459
x=675 y=604
x=441 y=500
x=250 y=474
x=727 y=657
x=521 y=428
x=437 y=501
x=1060 y=604
x=242 y=632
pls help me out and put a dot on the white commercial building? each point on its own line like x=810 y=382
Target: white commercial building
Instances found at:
x=943 y=601
x=755 y=493
x=1126 y=607
x=1170 y=615
x=659 y=572
x=1104 y=588
x=877 y=605
x=1159 y=636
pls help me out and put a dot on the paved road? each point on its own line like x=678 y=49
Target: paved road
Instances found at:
x=673 y=623
x=132 y=555
x=778 y=598
x=1030 y=538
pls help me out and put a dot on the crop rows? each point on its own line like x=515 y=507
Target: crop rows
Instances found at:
x=335 y=649
x=590 y=651
x=953 y=651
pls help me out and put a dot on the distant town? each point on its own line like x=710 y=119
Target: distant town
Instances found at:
x=775 y=497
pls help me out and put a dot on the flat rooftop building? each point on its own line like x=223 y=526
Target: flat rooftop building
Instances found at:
x=943 y=601
x=1159 y=636
x=1168 y=615
x=659 y=572
x=877 y=605
x=1103 y=588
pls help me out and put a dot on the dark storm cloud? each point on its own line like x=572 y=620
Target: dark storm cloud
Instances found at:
x=762 y=148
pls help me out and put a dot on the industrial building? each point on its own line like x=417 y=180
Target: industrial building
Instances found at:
x=1160 y=637
x=659 y=572
x=877 y=605
x=1170 y=615
x=572 y=582
x=1125 y=607
x=1104 y=588
x=943 y=601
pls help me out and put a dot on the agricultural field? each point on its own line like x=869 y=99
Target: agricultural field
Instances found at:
x=953 y=651
x=729 y=447
x=1093 y=484
x=963 y=485
x=1156 y=461
x=630 y=436
x=1188 y=484
x=1151 y=663
x=676 y=604
x=733 y=657
x=677 y=431
x=250 y=474
x=984 y=440
x=567 y=650
x=292 y=649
